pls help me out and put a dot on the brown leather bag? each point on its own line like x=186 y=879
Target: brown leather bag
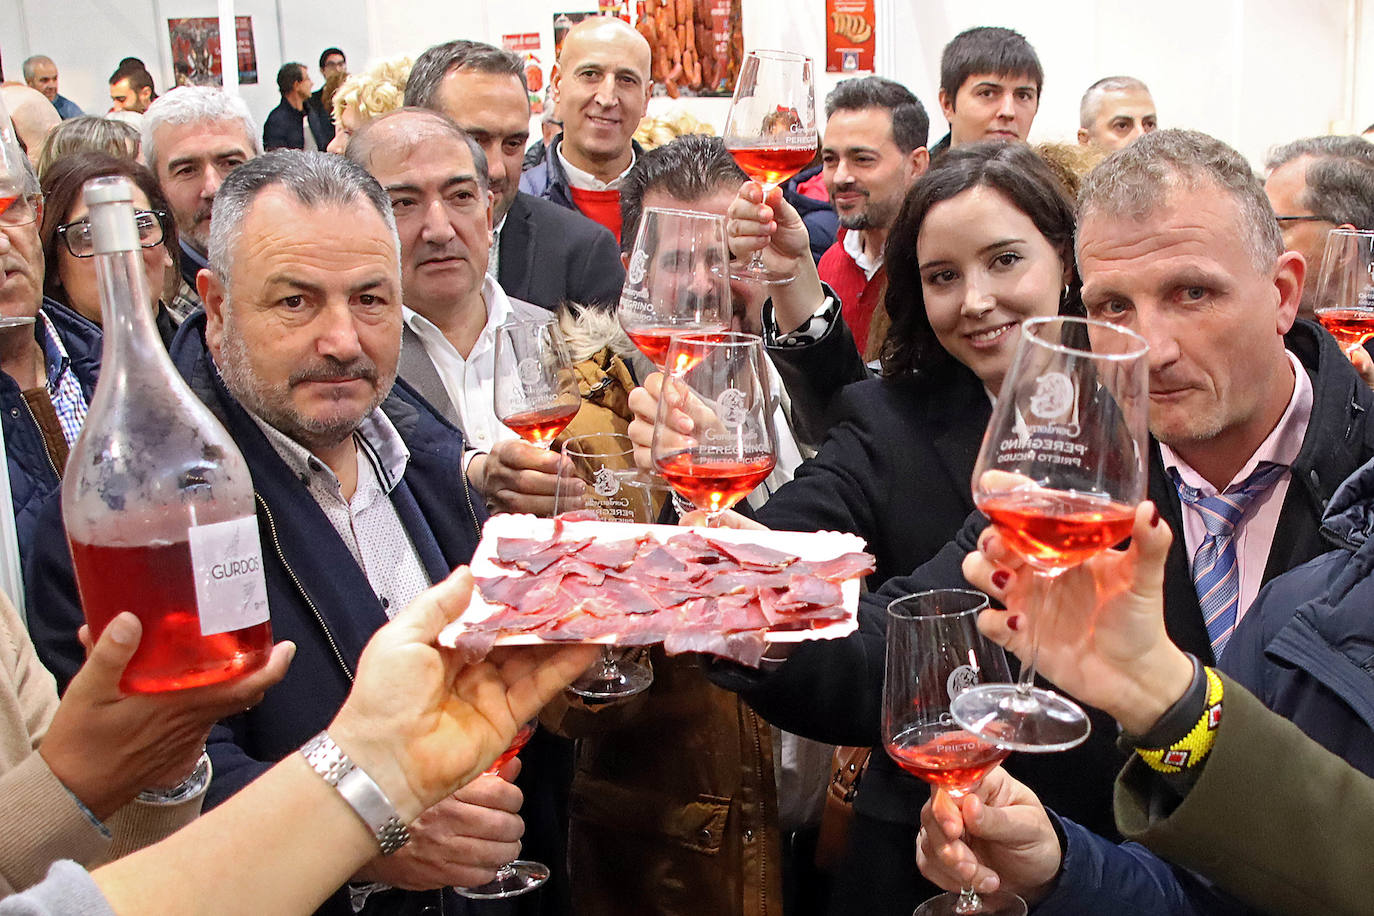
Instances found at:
x=847 y=767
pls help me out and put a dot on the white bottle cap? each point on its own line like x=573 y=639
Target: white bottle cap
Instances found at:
x=111 y=204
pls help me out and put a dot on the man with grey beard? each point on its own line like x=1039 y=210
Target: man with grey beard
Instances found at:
x=362 y=502
x=874 y=149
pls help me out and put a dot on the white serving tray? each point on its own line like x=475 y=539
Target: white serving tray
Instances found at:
x=806 y=545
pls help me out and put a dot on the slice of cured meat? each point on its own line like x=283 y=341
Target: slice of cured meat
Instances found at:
x=845 y=566
x=754 y=556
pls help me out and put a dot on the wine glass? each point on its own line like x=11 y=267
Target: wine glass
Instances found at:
x=1345 y=289
x=536 y=392
x=678 y=280
x=605 y=464
x=935 y=653
x=520 y=876
x=1060 y=472
x=771 y=130
x=720 y=381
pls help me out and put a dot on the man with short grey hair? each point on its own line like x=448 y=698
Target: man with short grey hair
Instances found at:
x=193 y=137
x=1114 y=112
x=361 y=499
x=541 y=253
x=41 y=73
x=1315 y=185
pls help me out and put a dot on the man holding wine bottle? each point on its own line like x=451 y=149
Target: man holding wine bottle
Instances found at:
x=362 y=502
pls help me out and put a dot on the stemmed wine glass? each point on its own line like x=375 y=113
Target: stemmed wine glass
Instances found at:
x=720 y=382
x=678 y=280
x=935 y=653
x=612 y=489
x=536 y=392
x=771 y=130
x=1345 y=289
x=520 y=876
x=1060 y=472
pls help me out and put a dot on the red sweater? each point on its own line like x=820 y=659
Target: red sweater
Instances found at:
x=859 y=296
x=601 y=206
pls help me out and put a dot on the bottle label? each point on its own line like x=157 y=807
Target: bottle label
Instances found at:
x=226 y=558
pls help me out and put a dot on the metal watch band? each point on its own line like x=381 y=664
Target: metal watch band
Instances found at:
x=363 y=795
x=191 y=787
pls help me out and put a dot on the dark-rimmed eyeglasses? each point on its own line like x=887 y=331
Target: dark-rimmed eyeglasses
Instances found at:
x=1301 y=219
x=152 y=229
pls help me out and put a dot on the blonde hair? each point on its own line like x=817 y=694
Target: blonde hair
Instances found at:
x=378 y=90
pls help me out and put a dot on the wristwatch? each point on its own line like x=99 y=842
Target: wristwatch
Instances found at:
x=363 y=795
x=192 y=786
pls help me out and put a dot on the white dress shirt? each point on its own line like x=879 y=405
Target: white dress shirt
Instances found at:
x=469 y=381
x=586 y=181
x=1255 y=533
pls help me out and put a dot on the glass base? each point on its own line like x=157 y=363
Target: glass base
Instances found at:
x=1039 y=722
x=613 y=681
x=998 y=903
x=512 y=880
x=761 y=275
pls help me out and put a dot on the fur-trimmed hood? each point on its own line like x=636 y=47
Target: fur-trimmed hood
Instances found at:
x=587 y=330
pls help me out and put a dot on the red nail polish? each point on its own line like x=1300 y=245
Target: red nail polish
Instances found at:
x=1154 y=519
x=1014 y=624
x=1000 y=578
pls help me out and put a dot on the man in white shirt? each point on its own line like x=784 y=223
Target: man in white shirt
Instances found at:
x=436 y=177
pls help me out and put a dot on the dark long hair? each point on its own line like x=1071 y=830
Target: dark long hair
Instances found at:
x=910 y=347
x=62 y=189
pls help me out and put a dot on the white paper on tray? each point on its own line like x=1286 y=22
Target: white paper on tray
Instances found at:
x=806 y=545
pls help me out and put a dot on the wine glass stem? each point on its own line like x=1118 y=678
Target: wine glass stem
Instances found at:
x=1039 y=601
x=968 y=902
x=610 y=670
x=756 y=261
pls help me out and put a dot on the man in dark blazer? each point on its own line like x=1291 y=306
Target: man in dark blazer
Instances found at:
x=361 y=500
x=543 y=253
x=295 y=124
x=1233 y=381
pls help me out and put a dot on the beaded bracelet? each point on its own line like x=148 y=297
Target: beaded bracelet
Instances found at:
x=1194 y=747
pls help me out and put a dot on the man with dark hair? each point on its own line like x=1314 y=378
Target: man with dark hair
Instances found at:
x=1115 y=111
x=1315 y=185
x=131 y=88
x=602 y=91
x=541 y=253
x=294 y=124
x=361 y=497
x=333 y=65
x=41 y=73
x=874 y=149
x=990 y=81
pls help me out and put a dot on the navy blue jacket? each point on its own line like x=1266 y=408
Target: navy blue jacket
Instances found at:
x=549 y=181
x=319 y=597
x=285 y=127
x=822 y=224
x=33 y=478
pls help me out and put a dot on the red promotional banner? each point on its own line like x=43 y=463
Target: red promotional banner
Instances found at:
x=521 y=41
x=848 y=36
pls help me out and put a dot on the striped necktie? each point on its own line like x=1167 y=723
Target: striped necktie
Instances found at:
x=1216 y=572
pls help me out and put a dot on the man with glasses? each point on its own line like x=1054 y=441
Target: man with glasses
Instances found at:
x=1315 y=185
x=49 y=356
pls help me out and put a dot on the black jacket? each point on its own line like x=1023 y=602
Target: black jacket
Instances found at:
x=900 y=450
x=832 y=690
x=324 y=115
x=33 y=478
x=285 y=127
x=319 y=597
x=550 y=254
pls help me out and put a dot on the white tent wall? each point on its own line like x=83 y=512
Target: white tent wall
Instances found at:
x=1252 y=72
